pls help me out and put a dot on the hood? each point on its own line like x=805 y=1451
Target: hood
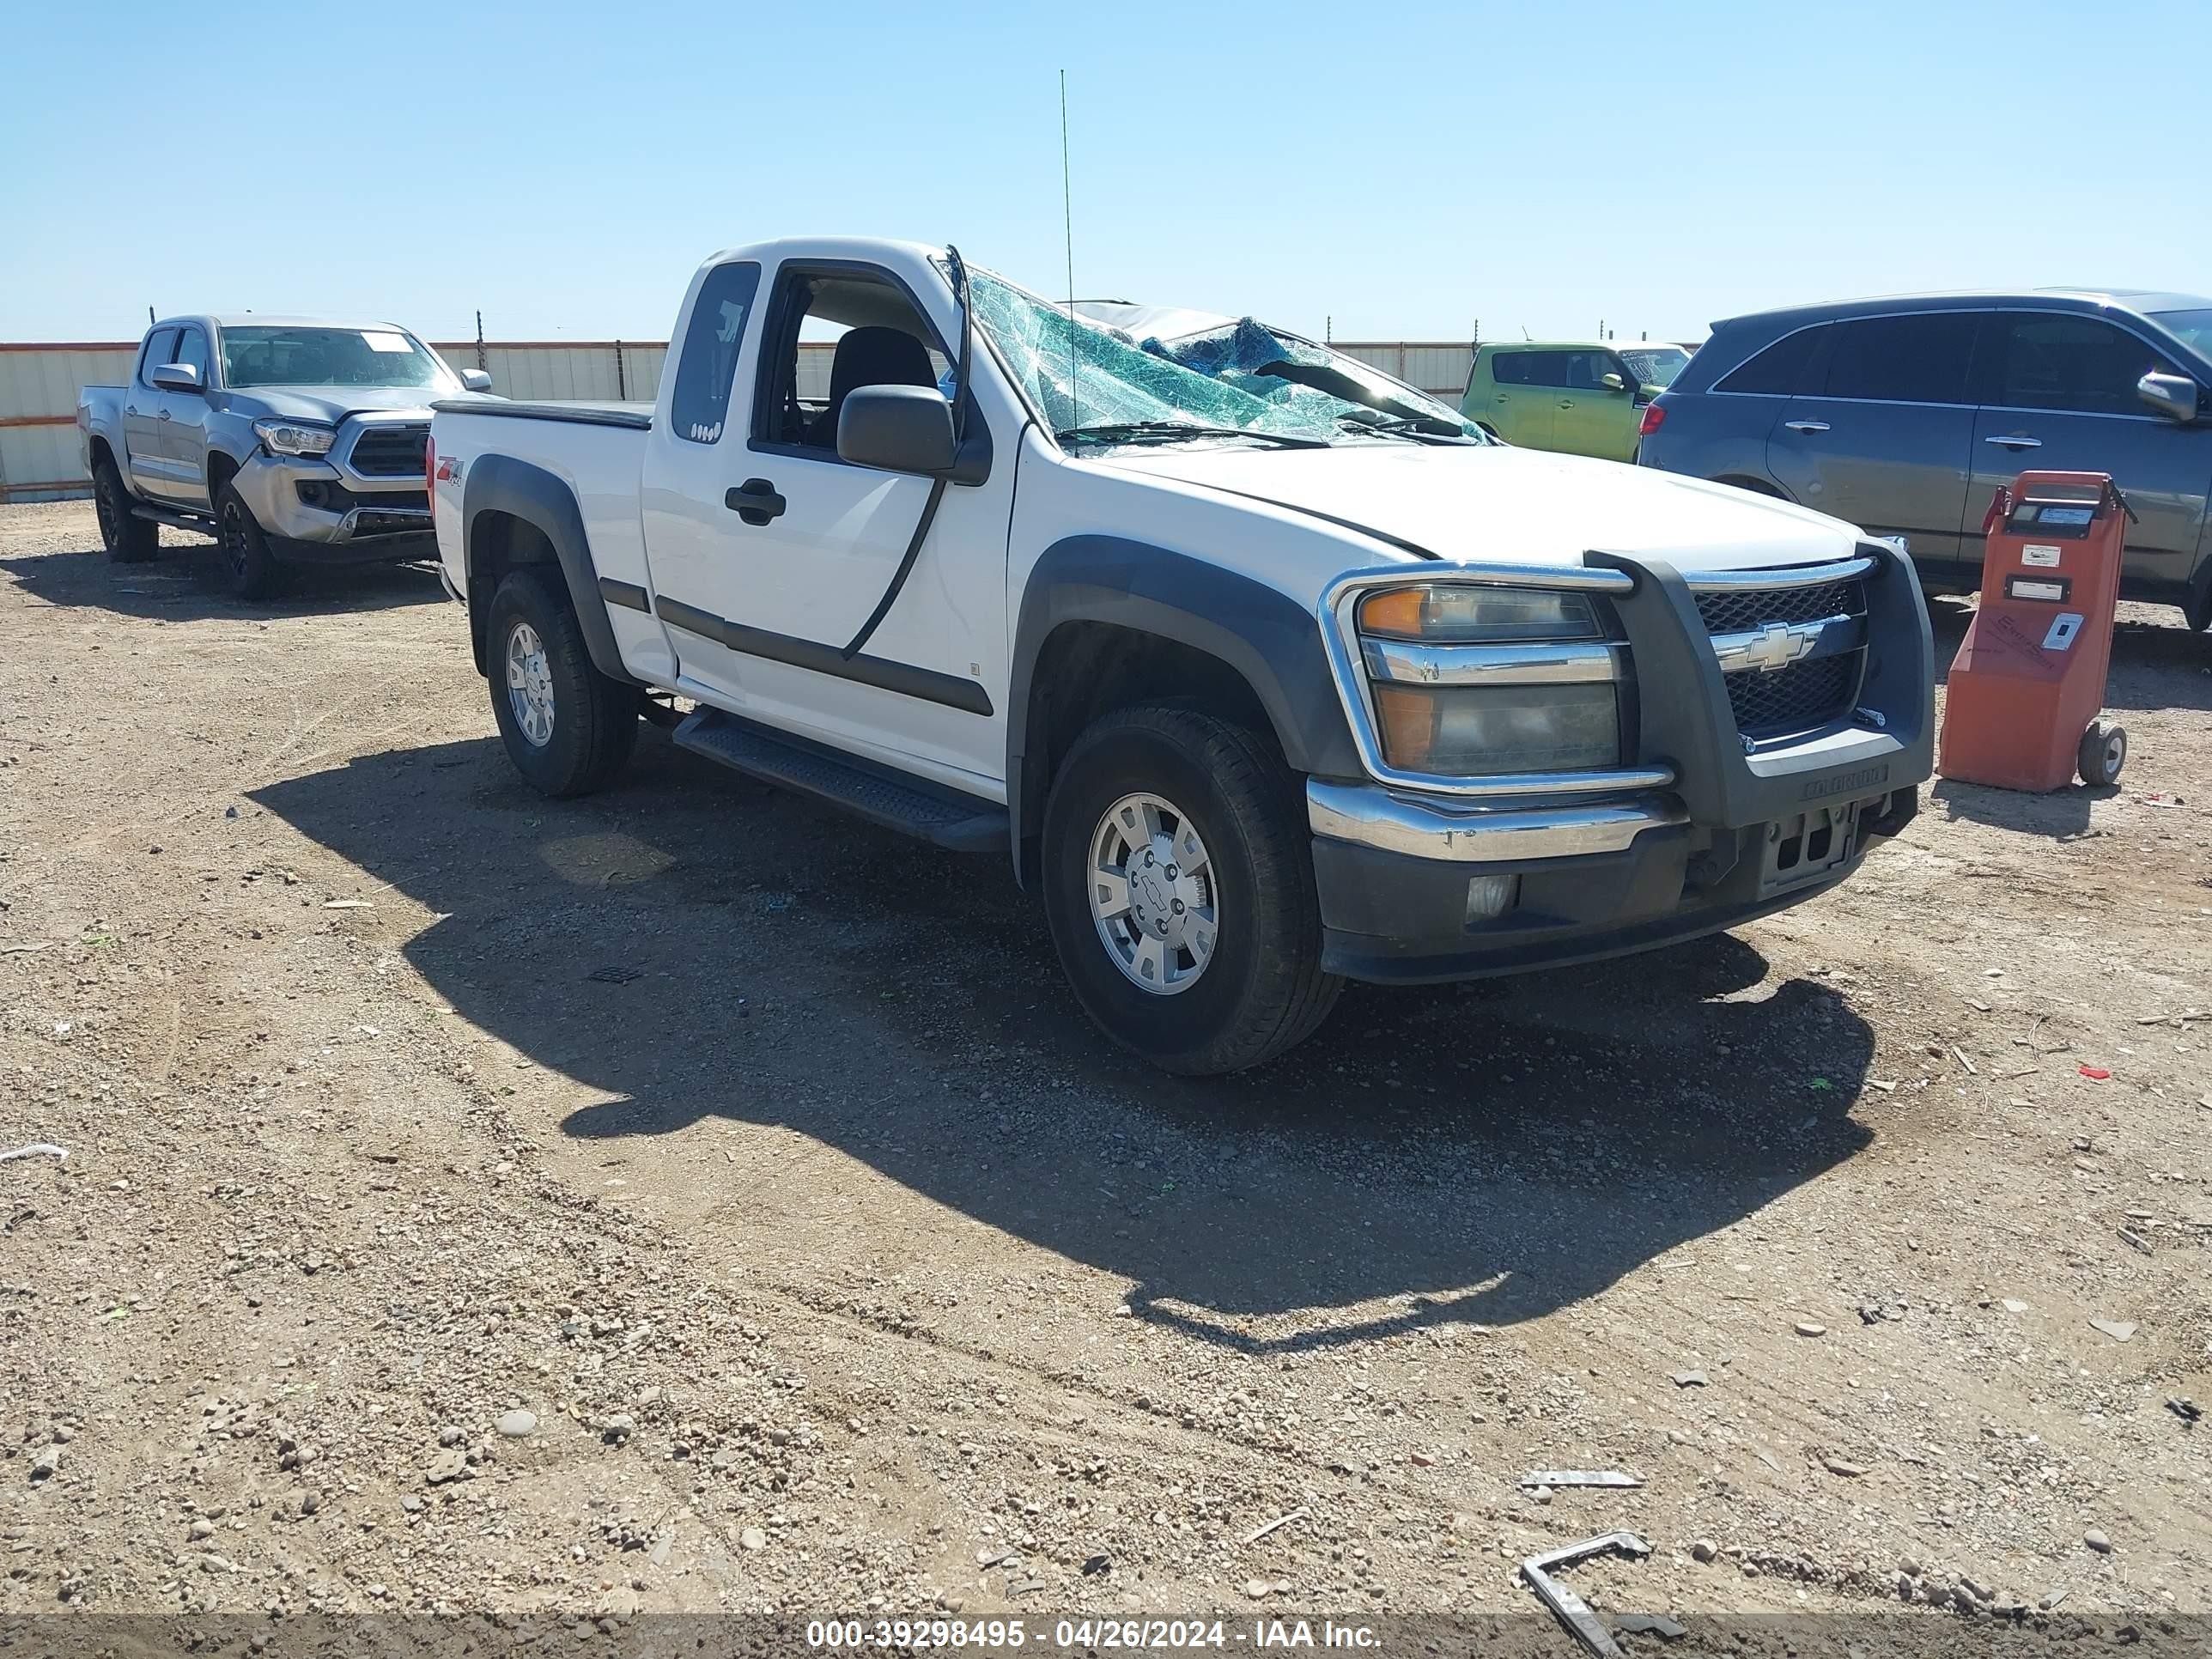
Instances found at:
x=1517 y=505
x=333 y=404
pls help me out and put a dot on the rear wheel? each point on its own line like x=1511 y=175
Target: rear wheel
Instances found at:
x=568 y=728
x=2198 y=611
x=1178 y=884
x=2104 y=752
x=127 y=537
x=247 y=563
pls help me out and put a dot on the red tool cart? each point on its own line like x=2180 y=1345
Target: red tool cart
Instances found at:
x=2027 y=689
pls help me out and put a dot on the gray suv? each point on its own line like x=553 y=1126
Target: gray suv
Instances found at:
x=1903 y=416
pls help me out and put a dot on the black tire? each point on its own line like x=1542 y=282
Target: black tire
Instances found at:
x=1262 y=989
x=2103 y=753
x=244 y=558
x=128 y=539
x=593 y=719
x=2197 y=610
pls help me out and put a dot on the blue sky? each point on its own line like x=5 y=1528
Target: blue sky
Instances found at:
x=1394 y=171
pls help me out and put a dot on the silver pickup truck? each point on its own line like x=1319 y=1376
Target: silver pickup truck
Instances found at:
x=287 y=438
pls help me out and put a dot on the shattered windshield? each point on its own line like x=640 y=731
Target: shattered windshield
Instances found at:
x=1093 y=383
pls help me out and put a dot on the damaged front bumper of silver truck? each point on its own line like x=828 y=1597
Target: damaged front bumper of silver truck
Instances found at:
x=330 y=510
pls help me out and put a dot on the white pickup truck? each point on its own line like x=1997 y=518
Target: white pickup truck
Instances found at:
x=1265 y=669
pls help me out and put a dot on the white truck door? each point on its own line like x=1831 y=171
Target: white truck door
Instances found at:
x=808 y=543
x=693 y=454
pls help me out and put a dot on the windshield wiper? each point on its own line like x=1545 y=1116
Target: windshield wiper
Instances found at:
x=1418 y=428
x=1139 y=432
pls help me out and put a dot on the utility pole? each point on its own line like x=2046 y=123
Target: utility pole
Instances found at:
x=481 y=362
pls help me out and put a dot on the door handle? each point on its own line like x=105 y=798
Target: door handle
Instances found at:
x=1566 y=403
x=130 y=409
x=1807 y=426
x=2015 y=443
x=161 y=415
x=754 y=501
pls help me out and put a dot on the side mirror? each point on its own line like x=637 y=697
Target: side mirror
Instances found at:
x=1612 y=381
x=474 y=379
x=177 y=377
x=896 y=428
x=2174 y=396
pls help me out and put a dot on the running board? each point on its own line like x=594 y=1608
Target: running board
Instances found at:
x=175 y=520
x=947 y=818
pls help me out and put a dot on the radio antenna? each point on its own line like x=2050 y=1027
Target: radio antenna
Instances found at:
x=1067 y=229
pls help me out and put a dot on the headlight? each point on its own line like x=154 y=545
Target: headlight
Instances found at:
x=1442 y=612
x=1479 y=730
x=295 y=437
x=1476 y=681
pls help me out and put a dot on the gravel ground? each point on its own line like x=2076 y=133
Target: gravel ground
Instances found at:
x=689 y=1201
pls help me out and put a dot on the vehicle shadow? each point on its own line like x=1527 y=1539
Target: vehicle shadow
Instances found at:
x=1481 y=1154
x=181 y=585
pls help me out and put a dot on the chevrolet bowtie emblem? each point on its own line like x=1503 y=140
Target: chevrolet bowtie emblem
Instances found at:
x=1776 y=646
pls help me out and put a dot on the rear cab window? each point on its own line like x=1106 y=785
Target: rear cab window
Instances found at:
x=699 y=404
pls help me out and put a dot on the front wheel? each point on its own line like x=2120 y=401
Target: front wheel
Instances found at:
x=248 y=563
x=1178 y=887
x=568 y=728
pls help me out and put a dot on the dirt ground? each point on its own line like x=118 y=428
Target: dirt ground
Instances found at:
x=762 y=1160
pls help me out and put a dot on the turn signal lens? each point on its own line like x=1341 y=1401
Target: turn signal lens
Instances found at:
x=1655 y=416
x=1467 y=731
x=1462 y=612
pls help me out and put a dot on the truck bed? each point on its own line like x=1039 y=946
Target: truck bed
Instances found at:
x=638 y=416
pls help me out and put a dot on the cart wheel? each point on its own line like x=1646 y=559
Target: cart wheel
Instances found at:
x=2104 y=752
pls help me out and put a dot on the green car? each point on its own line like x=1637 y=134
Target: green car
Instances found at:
x=1581 y=397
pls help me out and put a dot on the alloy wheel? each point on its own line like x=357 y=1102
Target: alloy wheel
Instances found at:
x=529 y=684
x=1153 y=898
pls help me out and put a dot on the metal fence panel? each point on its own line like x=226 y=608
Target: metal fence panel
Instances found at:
x=1438 y=367
x=44 y=381
x=41 y=464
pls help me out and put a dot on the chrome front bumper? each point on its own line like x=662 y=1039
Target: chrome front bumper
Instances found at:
x=1469 y=832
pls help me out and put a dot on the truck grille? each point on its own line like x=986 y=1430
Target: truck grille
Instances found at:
x=1729 y=611
x=1778 y=703
x=391 y=451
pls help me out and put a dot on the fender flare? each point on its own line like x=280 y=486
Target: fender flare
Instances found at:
x=1259 y=633
x=501 y=483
